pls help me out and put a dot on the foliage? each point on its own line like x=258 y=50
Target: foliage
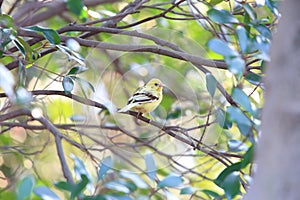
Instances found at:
x=68 y=65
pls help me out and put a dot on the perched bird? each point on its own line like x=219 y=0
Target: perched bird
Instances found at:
x=146 y=98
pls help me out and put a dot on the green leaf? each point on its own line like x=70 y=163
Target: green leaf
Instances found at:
x=263 y=30
x=221 y=16
x=79 y=187
x=77 y=7
x=242 y=99
x=45 y=193
x=223 y=119
x=25 y=188
x=51 y=35
x=77 y=70
x=248 y=157
x=6 y=21
x=236 y=65
x=211 y=84
x=249 y=10
x=253 y=78
x=188 y=190
x=68 y=84
x=150 y=166
x=106 y=165
x=24 y=48
x=231 y=185
x=244 y=123
x=232 y=168
x=242 y=37
x=171 y=181
x=135 y=178
x=64 y=186
x=222 y=48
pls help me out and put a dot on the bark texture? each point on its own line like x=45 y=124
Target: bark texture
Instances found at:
x=278 y=152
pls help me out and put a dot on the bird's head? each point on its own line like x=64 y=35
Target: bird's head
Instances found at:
x=155 y=84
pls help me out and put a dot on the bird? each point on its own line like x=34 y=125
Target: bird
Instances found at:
x=145 y=99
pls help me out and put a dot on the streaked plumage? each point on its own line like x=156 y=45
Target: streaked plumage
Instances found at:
x=145 y=99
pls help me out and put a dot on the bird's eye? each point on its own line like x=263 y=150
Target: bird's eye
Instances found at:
x=156 y=84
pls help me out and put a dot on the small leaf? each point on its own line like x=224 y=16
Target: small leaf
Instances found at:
x=263 y=30
x=242 y=37
x=106 y=165
x=170 y=181
x=249 y=10
x=77 y=70
x=253 y=78
x=211 y=84
x=79 y=187
x=222 y=119
x=244 y=123
x=51 y=35
x=222 y=48
x=236 y=65
x=231 y=185
x=248 y=157
x=77 y=7
x=24 y=48
x=117 y=186
x=150 y=166
x=45 y=193
x=25 y=188
x=242 y=99
x=221 y=16
x=64 y=186
x=188 y=190
x=68 y=84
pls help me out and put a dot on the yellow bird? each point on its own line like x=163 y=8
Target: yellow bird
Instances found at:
x=146 y=98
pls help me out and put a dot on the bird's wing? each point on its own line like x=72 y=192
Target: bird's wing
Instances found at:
x=138 y=98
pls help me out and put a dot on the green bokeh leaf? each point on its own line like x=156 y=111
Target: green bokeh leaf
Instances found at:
x=25 y=188
x=221 y=16
x=150 y=166
x=243 y=122
x=211 y=84
x=77 y=70
x=77 y=7
x=236 y=65
x=171 y=181
x=242 y=99
x=114 y=185
x=188 y=190
x=45 y=193
x=106 y=165
x=253 y=78
x=68 y=84
x=222 y=48
x=242 y=37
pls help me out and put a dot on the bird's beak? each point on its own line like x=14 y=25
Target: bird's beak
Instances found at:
x=161 y=85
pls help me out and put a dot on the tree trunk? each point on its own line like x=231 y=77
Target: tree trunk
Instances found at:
x=278 y=152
